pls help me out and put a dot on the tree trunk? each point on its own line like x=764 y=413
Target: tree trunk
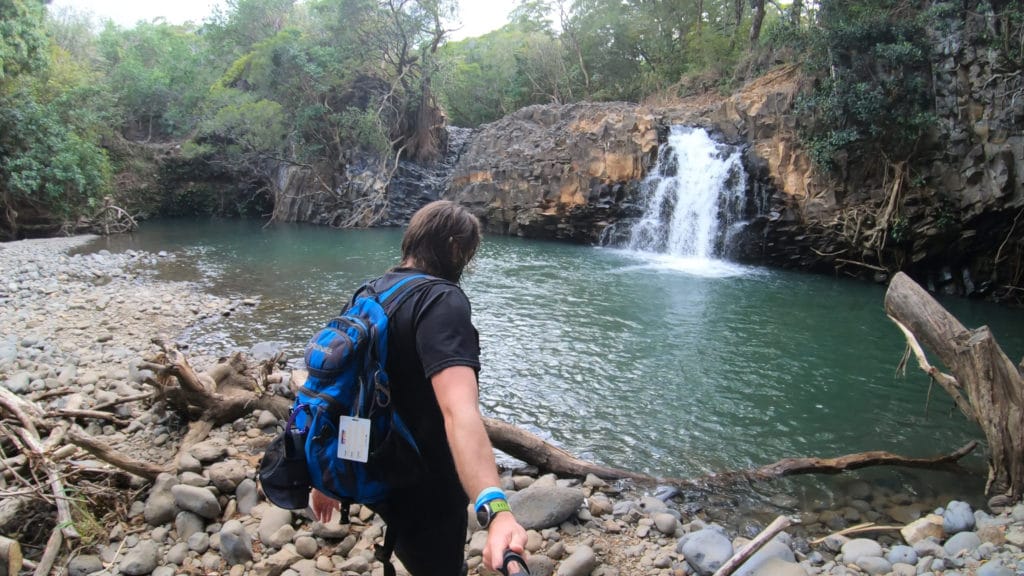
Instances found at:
x=755 y=23
x=795 y=10
x=992 y=385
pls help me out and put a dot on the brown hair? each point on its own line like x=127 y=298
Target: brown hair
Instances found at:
x=441 y=239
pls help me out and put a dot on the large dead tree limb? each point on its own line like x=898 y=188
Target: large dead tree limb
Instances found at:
x=223 y=393
x=791 y=466
x=532 y=449
x=993 y=385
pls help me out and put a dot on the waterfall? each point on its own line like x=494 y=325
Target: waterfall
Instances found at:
x=696 y=198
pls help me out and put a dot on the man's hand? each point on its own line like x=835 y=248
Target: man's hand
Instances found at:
x=323 y=506
x=503 y=534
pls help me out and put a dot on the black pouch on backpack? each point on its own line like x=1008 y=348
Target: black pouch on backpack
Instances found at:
x=397 y=461
x=283 y=474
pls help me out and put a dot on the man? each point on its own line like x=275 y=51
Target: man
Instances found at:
x=433 y=362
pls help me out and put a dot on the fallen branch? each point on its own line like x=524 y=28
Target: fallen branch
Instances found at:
x=858 y=529
x=93 y=414
x=79 y=438
x=532 y=449
x=948 y=383
x=50 y=553
x=791 y=466
x=124 y=400
x=743 y=554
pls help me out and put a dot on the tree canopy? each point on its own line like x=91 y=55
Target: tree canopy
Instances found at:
x=266 y=83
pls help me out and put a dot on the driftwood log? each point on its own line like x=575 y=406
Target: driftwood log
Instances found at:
x=985 y=385
x=533 y=450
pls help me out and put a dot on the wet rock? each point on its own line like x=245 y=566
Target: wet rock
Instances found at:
x=705 y=550
x=160 y=505
x=580 y=563
x=539 y=507
x=958 y=517
x=141 y=559
x=860 y=547
x=968 y=541
x=928 y=527
x=235 y=543
x=199 y=501
x=273 y=519
x=84 y=565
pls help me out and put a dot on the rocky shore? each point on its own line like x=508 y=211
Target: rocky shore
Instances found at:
x=77 y=325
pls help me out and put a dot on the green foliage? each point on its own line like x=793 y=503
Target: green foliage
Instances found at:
x=241 y=24
x=158 y=75
x=242 y=128
x=45 y=161
x=53 y=116
x=22 y=39
x=876 y=101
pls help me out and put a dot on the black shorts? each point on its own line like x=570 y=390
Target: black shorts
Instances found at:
x=429 y=523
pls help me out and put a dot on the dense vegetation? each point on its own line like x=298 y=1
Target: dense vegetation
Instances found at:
x=158 y=112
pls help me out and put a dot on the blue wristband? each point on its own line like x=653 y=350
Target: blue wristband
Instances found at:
x=488 y=494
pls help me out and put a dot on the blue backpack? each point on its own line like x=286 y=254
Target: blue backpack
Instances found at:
x=356 y=447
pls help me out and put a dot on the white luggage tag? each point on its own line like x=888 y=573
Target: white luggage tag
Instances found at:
x=354 y=439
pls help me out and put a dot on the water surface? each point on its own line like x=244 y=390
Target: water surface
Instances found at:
x=670 y=366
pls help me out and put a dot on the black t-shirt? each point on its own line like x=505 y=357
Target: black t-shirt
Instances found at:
x=431 y=330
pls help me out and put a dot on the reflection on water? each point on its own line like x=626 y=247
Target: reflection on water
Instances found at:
x=626 y=359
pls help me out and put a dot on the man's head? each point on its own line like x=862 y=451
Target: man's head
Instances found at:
x=441 y=239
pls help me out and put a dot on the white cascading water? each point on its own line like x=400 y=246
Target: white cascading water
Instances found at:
x=696 y=194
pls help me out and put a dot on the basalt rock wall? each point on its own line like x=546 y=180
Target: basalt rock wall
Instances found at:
x=557 y=172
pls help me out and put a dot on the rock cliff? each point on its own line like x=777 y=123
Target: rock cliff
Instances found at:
x=557 y=172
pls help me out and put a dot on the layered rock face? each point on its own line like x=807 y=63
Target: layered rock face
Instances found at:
x=557 y=172
x=978 y=166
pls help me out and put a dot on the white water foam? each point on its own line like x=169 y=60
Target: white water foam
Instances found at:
x=695 y=199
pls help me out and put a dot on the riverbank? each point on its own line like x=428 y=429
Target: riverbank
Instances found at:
x=77 y=325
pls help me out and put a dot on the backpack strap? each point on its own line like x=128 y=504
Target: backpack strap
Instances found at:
x=391 y=297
